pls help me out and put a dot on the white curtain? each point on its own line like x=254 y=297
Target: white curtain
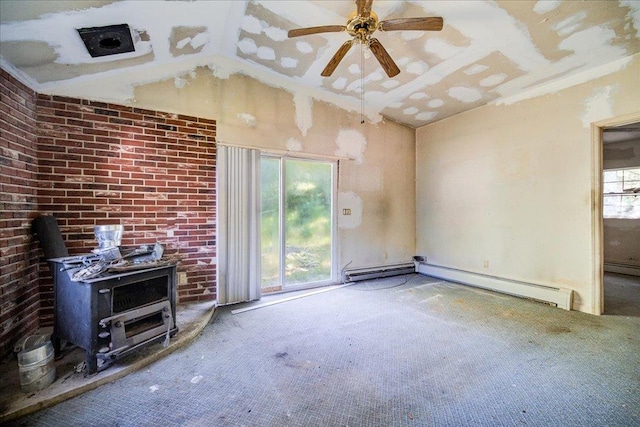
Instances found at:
x=238 y=214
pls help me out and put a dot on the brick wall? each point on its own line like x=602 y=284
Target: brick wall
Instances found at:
x=89 y=163
x=19 y=292
x=152 y=172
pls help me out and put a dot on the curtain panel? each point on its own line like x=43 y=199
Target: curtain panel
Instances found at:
x=238 y=224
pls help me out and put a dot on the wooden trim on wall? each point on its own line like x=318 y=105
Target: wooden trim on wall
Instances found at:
x=597 y=228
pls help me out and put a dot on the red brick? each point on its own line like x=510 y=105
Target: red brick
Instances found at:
x=151 y=170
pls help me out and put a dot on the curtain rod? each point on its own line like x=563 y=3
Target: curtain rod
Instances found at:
x=286 y=152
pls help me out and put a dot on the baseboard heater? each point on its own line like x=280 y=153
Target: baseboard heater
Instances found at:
x=631 y=270
x=358 y=274
x=560 y=297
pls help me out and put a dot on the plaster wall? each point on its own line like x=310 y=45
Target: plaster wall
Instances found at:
x=622 y=236
x=376 y=161
x=506 y=190
x=618 y=155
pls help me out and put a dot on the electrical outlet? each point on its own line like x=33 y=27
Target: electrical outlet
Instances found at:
x=346 y=211
x=485 y=264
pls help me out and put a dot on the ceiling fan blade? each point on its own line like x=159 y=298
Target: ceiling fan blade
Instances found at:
x=384 y=58
x=421 y=24
x=296 y=32
x=359 y=7
x=337 y=57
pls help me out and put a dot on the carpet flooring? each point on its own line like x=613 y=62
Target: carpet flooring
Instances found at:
x=621 y=295
x=402 y=351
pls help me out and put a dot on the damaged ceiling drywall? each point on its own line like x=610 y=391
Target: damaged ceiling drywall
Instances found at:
x=487 y=52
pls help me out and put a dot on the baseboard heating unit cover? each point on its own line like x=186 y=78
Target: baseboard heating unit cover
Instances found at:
x=631 y=270
x=561 y=297
x=358 y=274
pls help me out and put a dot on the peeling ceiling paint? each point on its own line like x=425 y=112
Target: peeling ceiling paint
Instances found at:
x=488 y=51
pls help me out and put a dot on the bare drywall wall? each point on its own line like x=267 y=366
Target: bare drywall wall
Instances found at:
x=376 y=166
x=621 y=242
x=619 y=155
x=505 y=190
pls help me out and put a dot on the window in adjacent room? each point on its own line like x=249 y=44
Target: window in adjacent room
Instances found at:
x=621 y=188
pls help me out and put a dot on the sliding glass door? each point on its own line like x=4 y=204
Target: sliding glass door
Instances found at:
x=270 y=224
x=298 y=223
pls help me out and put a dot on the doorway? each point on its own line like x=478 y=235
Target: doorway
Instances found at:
x=297 y=223
x=616 y=158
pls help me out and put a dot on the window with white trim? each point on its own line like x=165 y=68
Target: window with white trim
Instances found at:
x=621 y=188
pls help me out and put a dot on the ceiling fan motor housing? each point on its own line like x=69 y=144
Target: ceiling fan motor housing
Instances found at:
x=361 y=27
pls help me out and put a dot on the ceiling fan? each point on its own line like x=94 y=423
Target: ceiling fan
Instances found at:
x=361 y=25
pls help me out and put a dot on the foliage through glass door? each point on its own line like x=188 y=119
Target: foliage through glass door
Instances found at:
x=297 y=222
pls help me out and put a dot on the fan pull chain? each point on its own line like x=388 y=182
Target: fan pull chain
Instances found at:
x=362 y=82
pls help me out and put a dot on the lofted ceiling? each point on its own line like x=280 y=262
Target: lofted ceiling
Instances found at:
x=487 y=51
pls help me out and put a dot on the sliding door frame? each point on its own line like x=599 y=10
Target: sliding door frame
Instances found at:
x=334 y=221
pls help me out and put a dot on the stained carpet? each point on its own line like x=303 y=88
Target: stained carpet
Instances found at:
x=403 y=351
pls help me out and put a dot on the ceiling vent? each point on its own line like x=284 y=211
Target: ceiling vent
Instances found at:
x=109 y=40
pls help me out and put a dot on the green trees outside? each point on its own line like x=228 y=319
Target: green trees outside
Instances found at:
x=270 y=222
x=307 y=221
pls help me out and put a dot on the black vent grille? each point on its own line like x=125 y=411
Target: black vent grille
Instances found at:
x=109 y=40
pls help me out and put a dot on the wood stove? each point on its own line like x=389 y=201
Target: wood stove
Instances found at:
x=111 y=315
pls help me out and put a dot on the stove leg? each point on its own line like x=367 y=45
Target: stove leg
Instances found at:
x=92 y=363
x=55 y=340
